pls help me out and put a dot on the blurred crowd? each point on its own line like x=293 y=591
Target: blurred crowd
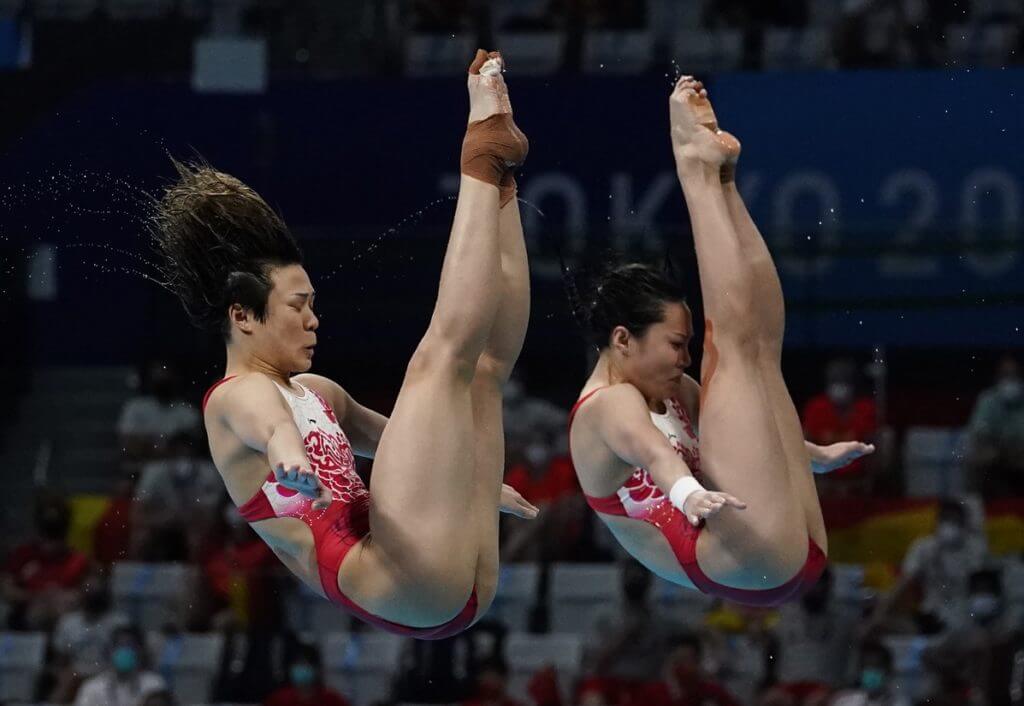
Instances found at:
x=949 y=607
x=330 y=39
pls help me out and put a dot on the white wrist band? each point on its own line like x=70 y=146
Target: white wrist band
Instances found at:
x=682 y=489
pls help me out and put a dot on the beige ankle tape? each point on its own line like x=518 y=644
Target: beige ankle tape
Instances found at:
x=491 y=151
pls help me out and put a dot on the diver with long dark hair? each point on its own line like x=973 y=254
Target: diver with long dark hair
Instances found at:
x=417 y=552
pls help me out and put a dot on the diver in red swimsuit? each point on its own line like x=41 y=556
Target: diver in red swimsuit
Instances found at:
x=417 y=552
x=709 y=485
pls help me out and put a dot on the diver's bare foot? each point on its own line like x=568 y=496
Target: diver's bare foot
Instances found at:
x=488 y=93
x=494 y=145
x=696 y=137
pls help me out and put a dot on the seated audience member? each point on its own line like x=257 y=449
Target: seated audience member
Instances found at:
x=42 y=577
x=240 y=574
x=938 y=567
x=157 y=413
x=305 y=685
x=542 y=472
x=492 y=685
x=979 y=660
x=112 y=537
x=81 y=638
x=874 y=685
x=684 y=681
x=840 y=414
x=159 y=698
x=813 y=638
x=175 y=501
x=628 y=641
x=995 y=435
x=126 y=681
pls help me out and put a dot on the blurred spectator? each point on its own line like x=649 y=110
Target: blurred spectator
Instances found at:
x=175 y=501
x=626 y=644
x=305 y=683
x=42 y=577
x=868 y=35
x=874 y=682
x=251 y=665
x=840 y=414
x=157 y=413
x=979 y=660
x=938 y=567
x=542 y=472
x=684 y=681
x=240 y=573
x=112 y=535
x=159 y=698
x=996 y=434
x=492 y=685
x=442 y=16
x=127 y=680
x=82 y=637
x=814 y=636
x=438 y=671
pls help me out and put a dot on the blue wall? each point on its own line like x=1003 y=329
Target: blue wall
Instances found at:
x=837 y=167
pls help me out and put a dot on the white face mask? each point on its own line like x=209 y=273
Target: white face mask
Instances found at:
x=1010 y=389
x=949 y=533
x=840 y=393
x=537 y=454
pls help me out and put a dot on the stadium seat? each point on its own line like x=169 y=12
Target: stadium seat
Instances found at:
x=308 y=612
x=618 y=52
x=578 y=591
x=517 y=592
x=796 y=48
x=704 y=51
x=527 y=654
x=63 y=9
x=361 y=665
x=532 y=53
x=677 y=604
x=988 y=45
x=189 y=661
x=933 y=461
x=908 y=672
x=847 y=582
x=438 y=54
x=152 y=595
x=21 y=660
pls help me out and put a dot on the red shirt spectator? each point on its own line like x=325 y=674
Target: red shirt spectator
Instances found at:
x=557 y=481
x=698 y=693
x=825 y=423
x=294 y=696
x=35 y=567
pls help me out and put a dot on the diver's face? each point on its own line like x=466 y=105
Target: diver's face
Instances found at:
x=289 y=332
x=658 y=358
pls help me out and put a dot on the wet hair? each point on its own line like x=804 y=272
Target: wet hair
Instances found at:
x=631 y=294
x=218 y=243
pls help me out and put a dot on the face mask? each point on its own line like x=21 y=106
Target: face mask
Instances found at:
x=536 y=455
x=1010 y=389
x=949 y=533
x=302 y=674
x=182 y=468
x=124 y=659
x=840 y=393
x=872 y=679
x=984 y=606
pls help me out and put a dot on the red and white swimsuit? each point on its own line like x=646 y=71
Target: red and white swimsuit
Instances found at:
x=639 y=498
x=345 y=521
